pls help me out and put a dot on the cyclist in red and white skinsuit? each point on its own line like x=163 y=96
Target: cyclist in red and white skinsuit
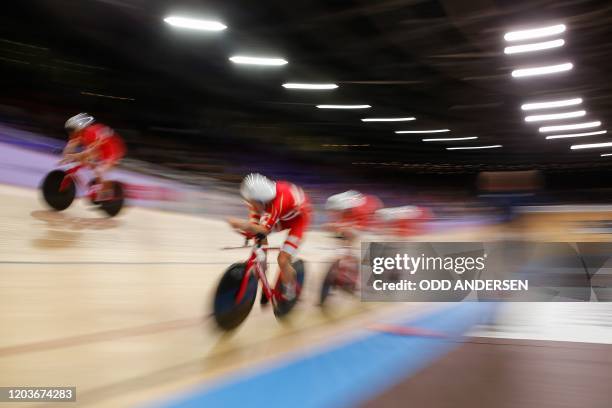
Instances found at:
x=100 y=145
x=350 y=212
x=276 y=206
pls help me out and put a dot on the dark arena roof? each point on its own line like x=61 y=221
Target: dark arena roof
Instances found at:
x=441 y=62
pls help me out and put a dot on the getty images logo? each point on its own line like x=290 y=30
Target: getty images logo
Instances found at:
x=412 y=264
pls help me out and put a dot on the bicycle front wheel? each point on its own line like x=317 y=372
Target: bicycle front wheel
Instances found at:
x=228 y=312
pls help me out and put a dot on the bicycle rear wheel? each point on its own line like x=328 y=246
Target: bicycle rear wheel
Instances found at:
x=283 y=307
x=227 y=313
x=113 y=207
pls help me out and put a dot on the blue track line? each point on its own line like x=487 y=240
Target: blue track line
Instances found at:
x=345 y=374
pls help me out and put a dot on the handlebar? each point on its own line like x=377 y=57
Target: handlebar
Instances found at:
x=257 y=244
x=78 y=162
x=270 y=248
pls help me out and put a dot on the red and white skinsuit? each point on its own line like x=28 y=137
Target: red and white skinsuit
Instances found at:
x=110 y=146
x=290 y=209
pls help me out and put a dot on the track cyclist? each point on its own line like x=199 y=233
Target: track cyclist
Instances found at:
x=276 y=206
x=350 y=212
x=101 y=147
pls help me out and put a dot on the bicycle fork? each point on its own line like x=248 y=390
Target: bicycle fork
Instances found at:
x=258 y=262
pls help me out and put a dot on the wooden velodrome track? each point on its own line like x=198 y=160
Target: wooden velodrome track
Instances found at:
x=120 y=307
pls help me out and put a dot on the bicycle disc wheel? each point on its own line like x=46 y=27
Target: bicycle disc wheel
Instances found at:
x=114 y=206
x=283 y=307
x=53 y=196
x=227 y=313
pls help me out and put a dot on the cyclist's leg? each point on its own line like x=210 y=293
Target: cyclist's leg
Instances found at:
x=296 y=227
x=109 y=155
x=105 y=191
x=263 y=299
x=287 y=272
x=102 y=168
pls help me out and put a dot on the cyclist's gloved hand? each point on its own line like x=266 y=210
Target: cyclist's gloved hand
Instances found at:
x=247 y=235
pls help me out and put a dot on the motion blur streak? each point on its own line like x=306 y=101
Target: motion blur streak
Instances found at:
x=555 y=116
x=310 y=86
x=474 y=147
x=570 y=135
x=388 y=119
x=450 y=139
x=544 y=70
x=573 y=126
x=195 y=24
x=591 y=146
x=423 y=131
x=238 y=59
x=535 y=33
x=551 y=104
x=518 y=49
x=344 y=106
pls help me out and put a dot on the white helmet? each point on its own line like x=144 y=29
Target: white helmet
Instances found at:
x=258 y=188
x=398 y=213
x=344 y=201
x=78 y=122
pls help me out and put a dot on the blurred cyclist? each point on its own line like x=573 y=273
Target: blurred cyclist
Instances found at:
x=100 y=146
x=350 y=212
x=276 y=206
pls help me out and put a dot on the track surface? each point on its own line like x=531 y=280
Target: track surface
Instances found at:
x=120 y=307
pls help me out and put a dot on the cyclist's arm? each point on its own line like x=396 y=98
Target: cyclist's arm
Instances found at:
x=92 y=148
x=70 y=147
x=101 y=136
x=256 y=229
x=248 y=227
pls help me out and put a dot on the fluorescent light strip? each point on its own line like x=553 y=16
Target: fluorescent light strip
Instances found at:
x=344 y=106
x=555 y=116
x=518 y=49
x=551 y=104
x=239 y=59
x=573 y=126
x=591 y=146
x=423 y=131
x=534 y=33
x=544 y=70
x=474 y=147
x=309 y=86
x=195 y=24
x=606 y=154
x=450 y=139
x=599 y=132
x=388 y=119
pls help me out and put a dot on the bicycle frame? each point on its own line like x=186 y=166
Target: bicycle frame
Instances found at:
x=347 y=270
x=257 y=264
x=71 y=176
